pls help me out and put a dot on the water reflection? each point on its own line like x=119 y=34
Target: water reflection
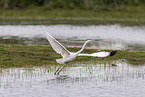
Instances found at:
x=84 y=80
x=21 y=77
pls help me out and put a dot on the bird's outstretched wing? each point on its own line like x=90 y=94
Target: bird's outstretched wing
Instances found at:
x=98 y=54
x=57 y=46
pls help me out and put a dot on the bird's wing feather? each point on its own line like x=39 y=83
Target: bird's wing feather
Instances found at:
x=98 y=54
x=57 y=46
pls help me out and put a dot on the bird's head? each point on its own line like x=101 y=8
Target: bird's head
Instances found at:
x=113 y=53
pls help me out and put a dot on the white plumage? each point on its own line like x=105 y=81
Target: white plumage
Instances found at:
x=69 y=56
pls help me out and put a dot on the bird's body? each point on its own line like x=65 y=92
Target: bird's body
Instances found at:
x=67 y=59
x=70 y=56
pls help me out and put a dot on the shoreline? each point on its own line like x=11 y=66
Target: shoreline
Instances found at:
x=69 y=20
x=128 y=15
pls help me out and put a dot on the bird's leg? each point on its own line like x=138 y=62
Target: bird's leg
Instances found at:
x=61 y=68
x=57 y=70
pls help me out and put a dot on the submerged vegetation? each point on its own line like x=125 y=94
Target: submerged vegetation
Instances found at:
x=12 y=55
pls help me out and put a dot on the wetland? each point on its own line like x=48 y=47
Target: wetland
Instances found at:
x=27 y=61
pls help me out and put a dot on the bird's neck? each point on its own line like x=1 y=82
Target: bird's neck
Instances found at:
x=82 y=48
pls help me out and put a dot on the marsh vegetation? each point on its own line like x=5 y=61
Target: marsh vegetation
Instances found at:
x=27 y=61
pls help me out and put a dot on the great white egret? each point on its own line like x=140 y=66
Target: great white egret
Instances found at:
x=70 y=56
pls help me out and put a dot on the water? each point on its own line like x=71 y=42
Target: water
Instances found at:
x=109 y=36
x=80 y=81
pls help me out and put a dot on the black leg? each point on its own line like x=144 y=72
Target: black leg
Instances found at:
x=61 y=68
x=57 y=70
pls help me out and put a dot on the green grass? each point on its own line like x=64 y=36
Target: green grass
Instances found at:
x=133 y=15
x=12 y=55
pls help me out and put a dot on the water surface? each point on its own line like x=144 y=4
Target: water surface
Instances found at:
x=124 y=80
x=109 y=36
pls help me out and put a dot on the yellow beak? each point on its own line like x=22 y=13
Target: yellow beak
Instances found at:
x=93 y=41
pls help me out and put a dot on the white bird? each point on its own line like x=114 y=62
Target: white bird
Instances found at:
x=70 y=56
